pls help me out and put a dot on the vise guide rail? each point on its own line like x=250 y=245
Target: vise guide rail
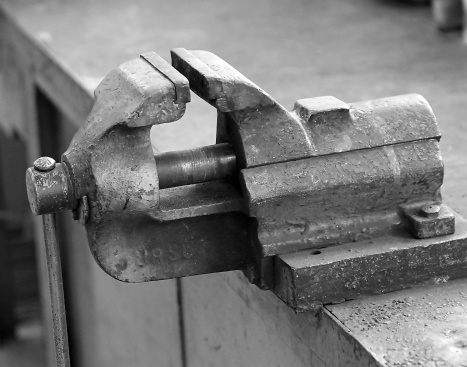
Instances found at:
x=321 y=204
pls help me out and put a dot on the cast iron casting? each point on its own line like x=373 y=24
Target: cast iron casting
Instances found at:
x=277 y=191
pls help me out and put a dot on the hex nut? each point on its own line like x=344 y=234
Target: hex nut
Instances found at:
x=430 y=211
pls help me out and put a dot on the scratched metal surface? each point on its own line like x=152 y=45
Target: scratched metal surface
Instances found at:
x=425 y=326
x=370 y=267
x=339 y=198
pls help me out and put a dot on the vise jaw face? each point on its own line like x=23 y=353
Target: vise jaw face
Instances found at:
x=325 y=174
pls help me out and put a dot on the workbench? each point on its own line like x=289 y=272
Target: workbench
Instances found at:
x=53 y=54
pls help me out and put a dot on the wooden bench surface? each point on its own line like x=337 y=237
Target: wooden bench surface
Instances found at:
x=356 y=50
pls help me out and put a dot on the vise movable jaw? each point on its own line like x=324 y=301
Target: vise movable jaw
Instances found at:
x=276 y=182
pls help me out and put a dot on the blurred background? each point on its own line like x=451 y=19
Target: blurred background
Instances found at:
x=54 y=53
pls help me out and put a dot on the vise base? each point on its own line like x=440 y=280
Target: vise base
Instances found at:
x=309 y=278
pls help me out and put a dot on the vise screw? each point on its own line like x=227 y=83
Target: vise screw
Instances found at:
x=278 y=186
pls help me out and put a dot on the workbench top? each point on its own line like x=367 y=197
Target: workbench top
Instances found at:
x=424 y=326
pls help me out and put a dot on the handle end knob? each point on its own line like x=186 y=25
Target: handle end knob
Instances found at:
x=49 y=187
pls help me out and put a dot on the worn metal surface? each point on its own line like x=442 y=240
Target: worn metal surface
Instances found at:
x=56 y=291
x=273 y=134
x=173 y=249
x=49 y=191
x=134 y=235
x=430 y=221
x=44 y=164
x=217 y=82
x=310 y=278
x=325 y=174
x=340 y=198
x=186 y=167
x=424 y=326
x=182 y=87
x=116 y=170
x=114 y=187
x=263 y=132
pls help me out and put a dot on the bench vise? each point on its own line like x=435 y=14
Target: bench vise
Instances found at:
x=324 y=203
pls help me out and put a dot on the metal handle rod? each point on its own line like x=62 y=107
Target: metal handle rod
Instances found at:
x=56 y=291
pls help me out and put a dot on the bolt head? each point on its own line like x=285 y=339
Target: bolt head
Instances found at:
x=44 y=164
x=430 y=211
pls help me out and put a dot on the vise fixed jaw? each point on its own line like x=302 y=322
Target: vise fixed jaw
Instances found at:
x=279 y=188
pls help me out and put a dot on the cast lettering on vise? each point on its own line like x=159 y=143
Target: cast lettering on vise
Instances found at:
x=163 y=256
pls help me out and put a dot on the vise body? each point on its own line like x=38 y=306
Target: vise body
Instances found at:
x=321 y=204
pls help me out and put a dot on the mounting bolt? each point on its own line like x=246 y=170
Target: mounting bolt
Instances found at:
x=44 y=164
x=430 y=211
